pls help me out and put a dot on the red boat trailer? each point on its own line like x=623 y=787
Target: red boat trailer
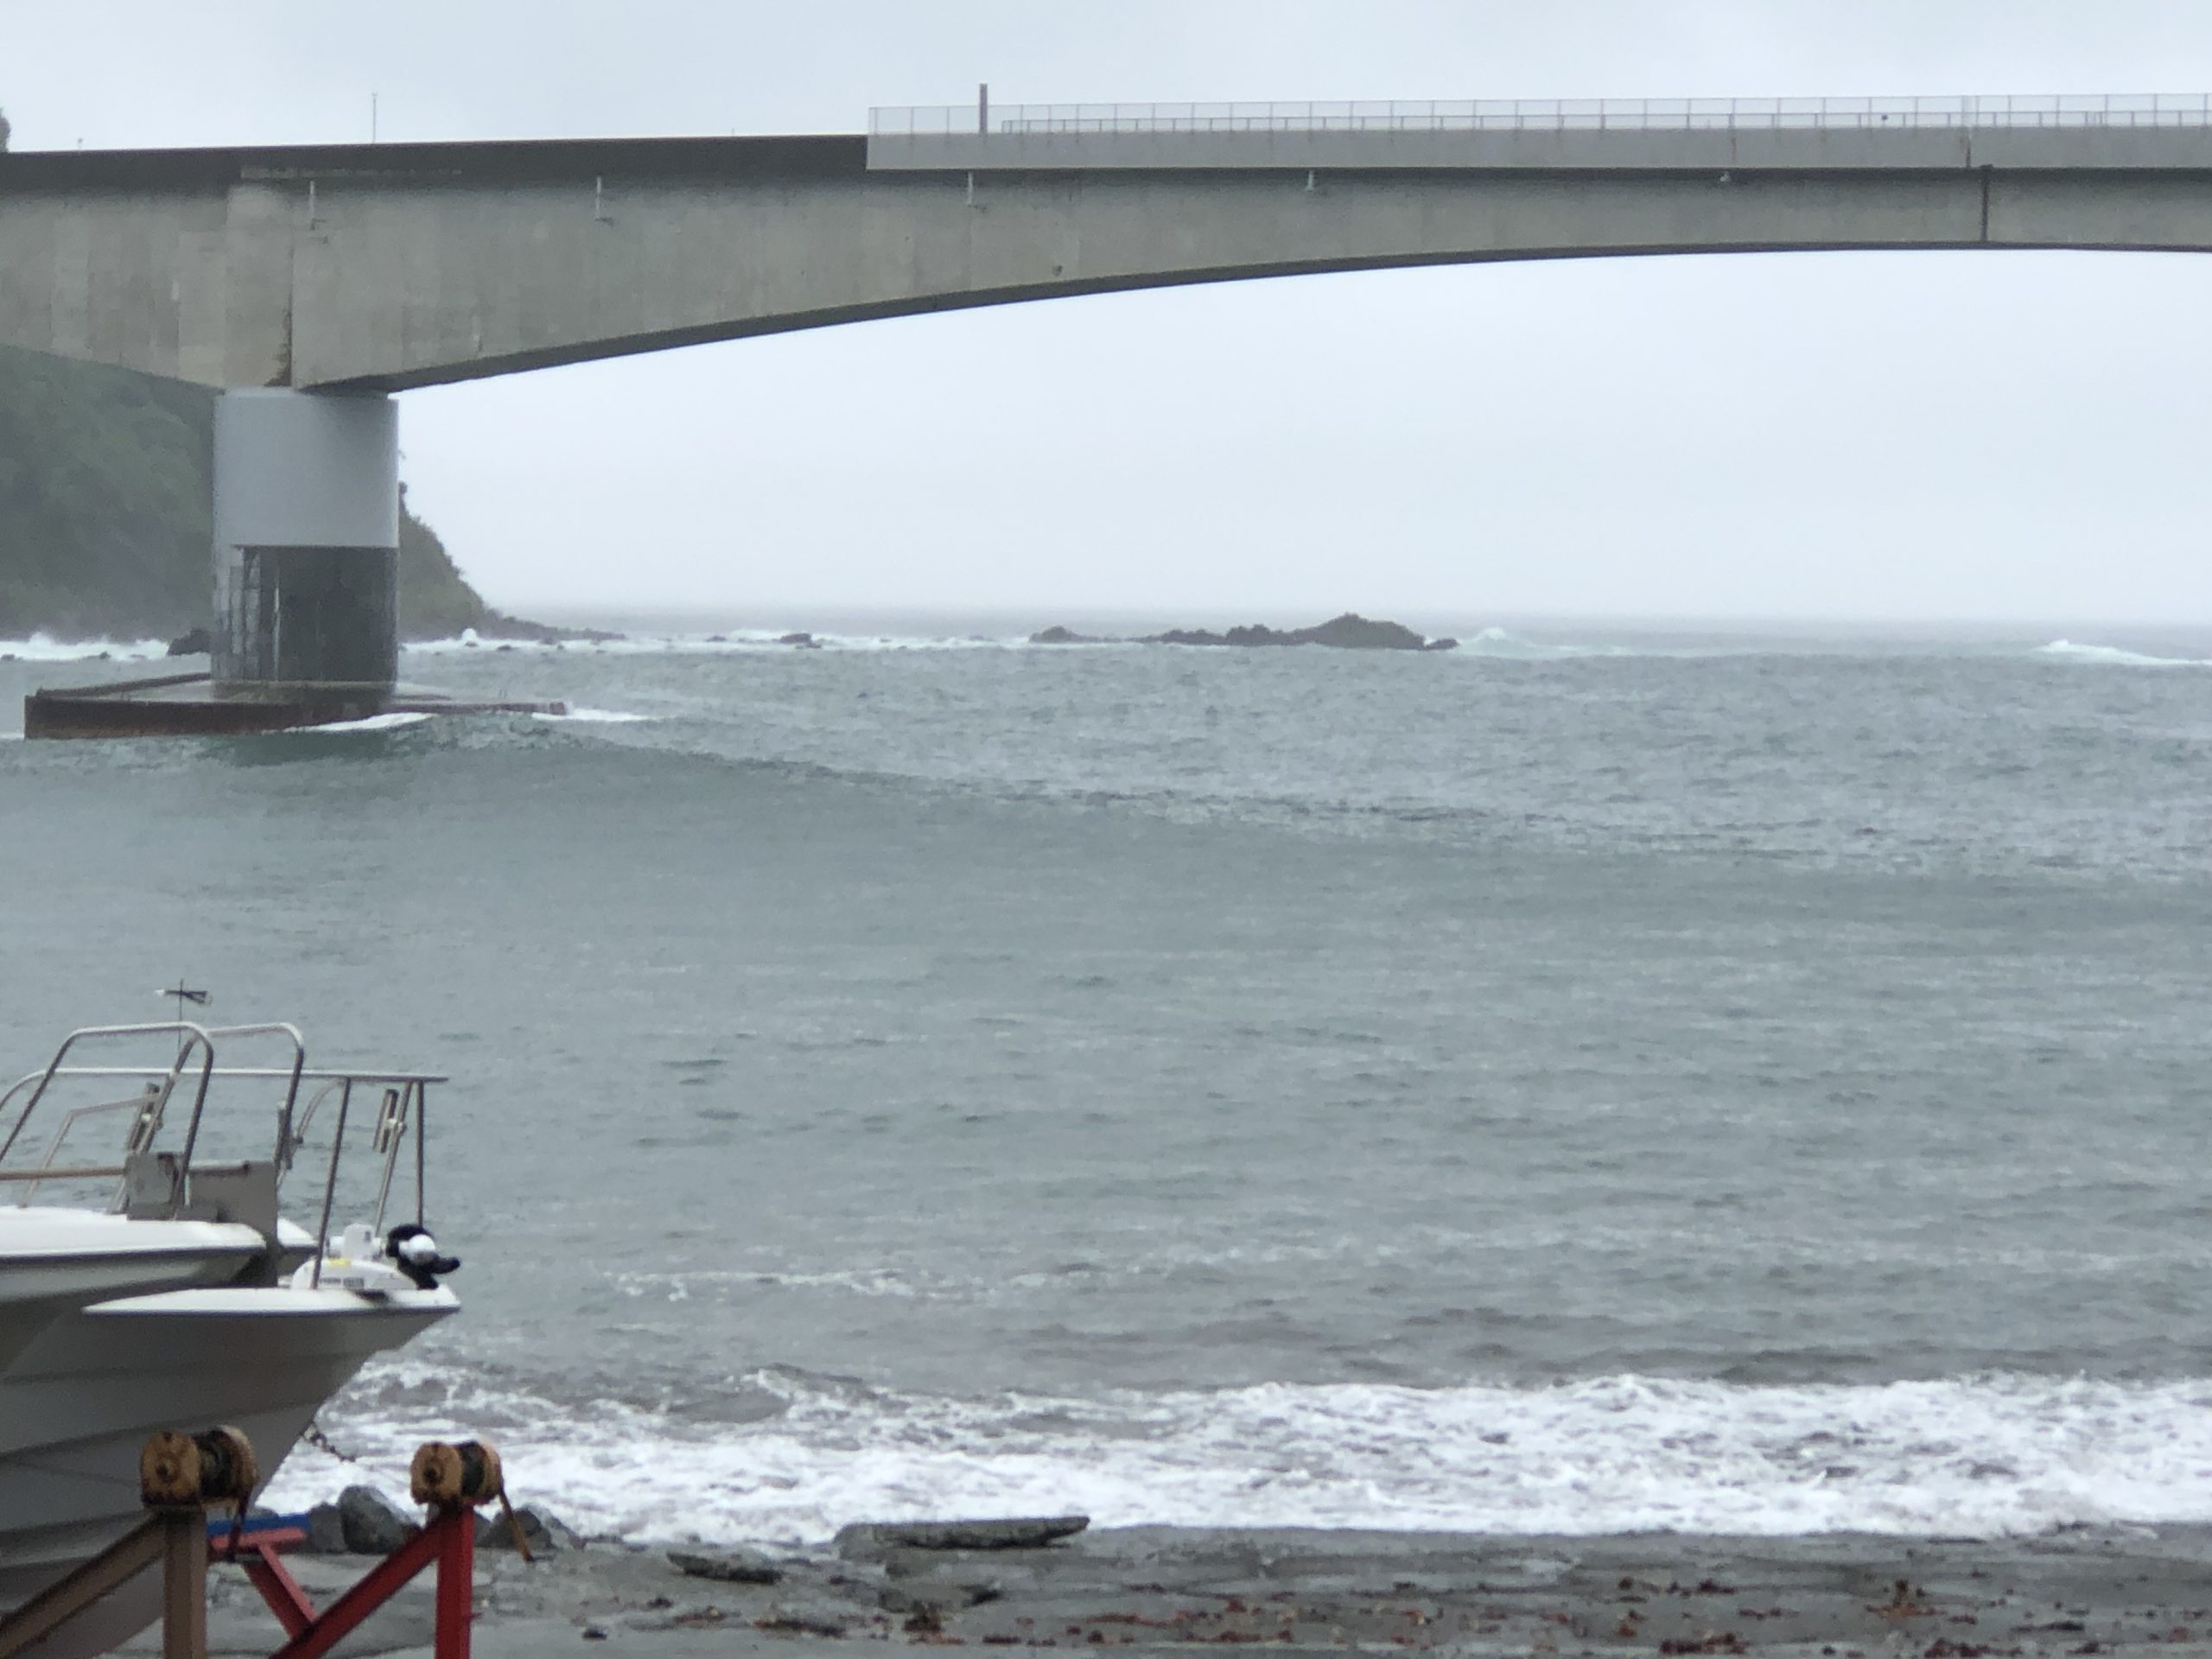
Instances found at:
x=179 y=1475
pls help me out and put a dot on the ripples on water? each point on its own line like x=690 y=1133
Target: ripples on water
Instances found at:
x=1750 y=1087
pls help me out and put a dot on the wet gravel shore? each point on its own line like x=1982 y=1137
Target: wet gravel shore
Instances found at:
x=2074 y=1592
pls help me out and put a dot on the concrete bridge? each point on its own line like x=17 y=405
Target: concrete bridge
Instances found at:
x=311 y=282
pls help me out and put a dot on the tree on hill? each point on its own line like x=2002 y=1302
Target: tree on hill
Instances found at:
x=3 y=129
x=105 y=512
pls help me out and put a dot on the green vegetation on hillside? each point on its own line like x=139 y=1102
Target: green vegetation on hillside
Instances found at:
x=435 y=601
x=104 y=506
x=104 y=500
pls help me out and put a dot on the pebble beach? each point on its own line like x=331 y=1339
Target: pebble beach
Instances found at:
x=2139 y=1591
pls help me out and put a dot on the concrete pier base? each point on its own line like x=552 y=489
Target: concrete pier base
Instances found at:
x=189 y=705
x=307 y=548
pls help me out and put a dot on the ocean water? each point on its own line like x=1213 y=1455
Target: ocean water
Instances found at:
x=1579 y=1083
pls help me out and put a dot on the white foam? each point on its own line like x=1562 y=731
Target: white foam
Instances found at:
x=599 y=716
x=1498 y=642
x=1490 y=642
x=739 y=640
x=389 y=722
x=1989 y=1455
x=466 y=640
x=44 y=648
x=469 y=640
x=2112 y=656
x=860 y=1281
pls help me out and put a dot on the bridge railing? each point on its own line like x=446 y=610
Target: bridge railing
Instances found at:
x=1550 y=114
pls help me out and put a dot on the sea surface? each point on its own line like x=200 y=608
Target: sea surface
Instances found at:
x=1591 y=1080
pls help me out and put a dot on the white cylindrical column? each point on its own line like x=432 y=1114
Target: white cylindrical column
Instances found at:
x=306 y=543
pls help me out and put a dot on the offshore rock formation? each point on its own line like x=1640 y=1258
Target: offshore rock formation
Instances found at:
x=1349 y=631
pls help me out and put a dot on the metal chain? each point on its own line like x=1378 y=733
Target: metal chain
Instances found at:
x=315 y=1437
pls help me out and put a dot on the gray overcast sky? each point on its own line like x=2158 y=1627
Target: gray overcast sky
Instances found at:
x=1872 y=436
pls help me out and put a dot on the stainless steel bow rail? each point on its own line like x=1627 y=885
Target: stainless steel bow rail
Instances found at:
x=161 y=1185
x=1553 y=115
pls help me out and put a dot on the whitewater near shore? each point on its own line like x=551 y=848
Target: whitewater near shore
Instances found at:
x=1989 y=1455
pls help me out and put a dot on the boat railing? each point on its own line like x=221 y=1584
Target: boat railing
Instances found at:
x=401 y=1114
x=401 y=1117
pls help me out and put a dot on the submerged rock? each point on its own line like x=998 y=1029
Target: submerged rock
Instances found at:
x=198 y=643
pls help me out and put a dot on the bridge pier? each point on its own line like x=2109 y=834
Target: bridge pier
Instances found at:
x=307 y=585
x=307 y=550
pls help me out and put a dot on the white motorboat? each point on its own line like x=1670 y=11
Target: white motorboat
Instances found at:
x=190 y=1302
x=54 y=1261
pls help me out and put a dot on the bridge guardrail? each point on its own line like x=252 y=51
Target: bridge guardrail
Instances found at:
x=1550 y=114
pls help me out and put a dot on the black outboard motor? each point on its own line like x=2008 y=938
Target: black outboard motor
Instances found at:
x=415 y=1253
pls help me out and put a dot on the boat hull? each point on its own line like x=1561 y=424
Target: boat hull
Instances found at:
x=54 y=1262
x=84 y=1394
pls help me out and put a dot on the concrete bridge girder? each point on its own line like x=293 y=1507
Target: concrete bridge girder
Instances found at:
x=398 y=266
x=386 y=294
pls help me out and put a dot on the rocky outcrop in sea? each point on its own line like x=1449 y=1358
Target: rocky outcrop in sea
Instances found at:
x=1349 y=631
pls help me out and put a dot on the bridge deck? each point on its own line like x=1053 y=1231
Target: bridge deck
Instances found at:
x=523 y=161
x=389 y=266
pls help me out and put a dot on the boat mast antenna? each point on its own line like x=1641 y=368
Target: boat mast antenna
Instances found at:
x=184 y=994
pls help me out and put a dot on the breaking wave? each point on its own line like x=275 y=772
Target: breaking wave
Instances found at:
x=1498 y=642
x=596 y=717
x=390 y=722
x=1992 y=1455
x=733 y=641
x=2068 y=651
x=44 y=648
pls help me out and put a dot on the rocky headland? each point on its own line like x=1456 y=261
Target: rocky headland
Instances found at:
x=1349 y=631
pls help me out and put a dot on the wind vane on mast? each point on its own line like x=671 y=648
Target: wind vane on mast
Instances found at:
x=184 y=994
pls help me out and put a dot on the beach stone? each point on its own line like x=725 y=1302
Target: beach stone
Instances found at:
x=371 y=1523
x=939 y=1598
x=805 y=1619
x=326 y=1531
x=1029 y=1532
x=725 y=1567
x=544 y=1530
